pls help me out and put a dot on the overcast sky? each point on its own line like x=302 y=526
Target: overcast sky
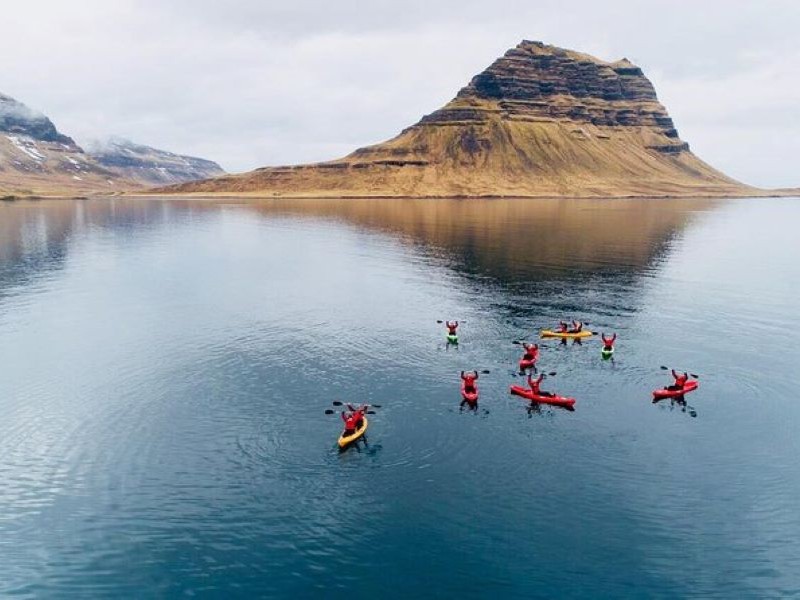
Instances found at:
x=250 y=83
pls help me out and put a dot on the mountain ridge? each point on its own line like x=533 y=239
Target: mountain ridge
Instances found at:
x=37 y=158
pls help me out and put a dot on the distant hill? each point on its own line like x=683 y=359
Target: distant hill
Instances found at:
x=540 y=121
x=149 y=166
x=36 y=158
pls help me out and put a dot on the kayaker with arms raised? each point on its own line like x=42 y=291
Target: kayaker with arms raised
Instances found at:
x=577 y=327
x=469 y=378
x=680 y=381
x=535 y=385
x=354 y=420
x=452 y=326
x=469 y=390
x=608 y=343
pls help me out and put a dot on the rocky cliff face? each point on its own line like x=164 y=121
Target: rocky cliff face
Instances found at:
x=540 y=121
x=149 y=166
x=36 y=158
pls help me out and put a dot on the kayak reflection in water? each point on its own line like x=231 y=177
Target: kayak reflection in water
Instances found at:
x=535 y=386
x=354 y=419
x=469 y=389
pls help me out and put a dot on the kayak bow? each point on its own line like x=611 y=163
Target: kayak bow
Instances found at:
x=471 y=397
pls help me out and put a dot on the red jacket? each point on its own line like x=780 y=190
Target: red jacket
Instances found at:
x=680 y=380
x=535 y=383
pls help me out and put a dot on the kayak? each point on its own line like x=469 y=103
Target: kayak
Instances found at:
x=665 y=393
x=607 y=353
x=546 y=333
x=528 y=394
x=345 y=441
x=452 y=339
x=471 y=397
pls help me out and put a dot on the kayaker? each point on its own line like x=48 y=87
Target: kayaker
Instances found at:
x=451 y=327
x=531 y=351
x=577 y=327
x=469 y=379
x=680 y=381
x=535 y=383
x=608 y=343
x=350 y=423
x=563 y=327
x=354 y=420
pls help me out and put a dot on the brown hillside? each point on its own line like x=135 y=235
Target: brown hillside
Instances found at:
x=540 y=121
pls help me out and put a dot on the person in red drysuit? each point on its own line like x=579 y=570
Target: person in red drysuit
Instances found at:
x=451 y=327
x=469 y=379
x=577 y=327
x=680 y=381
x=608 y=343
x=531 y=351
x=563 y=327
x=354 y=420
x=535 y=383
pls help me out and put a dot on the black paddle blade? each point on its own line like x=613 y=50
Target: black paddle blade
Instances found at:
x=439 y=321
x=663 y=368
x=371 y=412
x=375 y=405
x=329 y=411
x=517 y=342
x=337 y=402
x=695 y=376
x=486 y=371
x=552 y=373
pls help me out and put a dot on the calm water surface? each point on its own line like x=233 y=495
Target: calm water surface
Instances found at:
x=165 y=367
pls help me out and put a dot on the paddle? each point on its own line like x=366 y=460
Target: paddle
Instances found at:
x=663 y=368
x=440 y=321
x=340 y=403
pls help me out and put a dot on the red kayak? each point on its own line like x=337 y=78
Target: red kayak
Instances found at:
x=528 y=363
x=528 y=394
x=666 y=393
x=469 y=396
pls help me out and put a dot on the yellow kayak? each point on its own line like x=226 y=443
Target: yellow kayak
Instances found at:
x=344 y=440
x=546 y=333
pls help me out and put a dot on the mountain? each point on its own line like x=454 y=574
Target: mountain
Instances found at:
x=540 y=121
x=149 y=166
x=36 y=158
